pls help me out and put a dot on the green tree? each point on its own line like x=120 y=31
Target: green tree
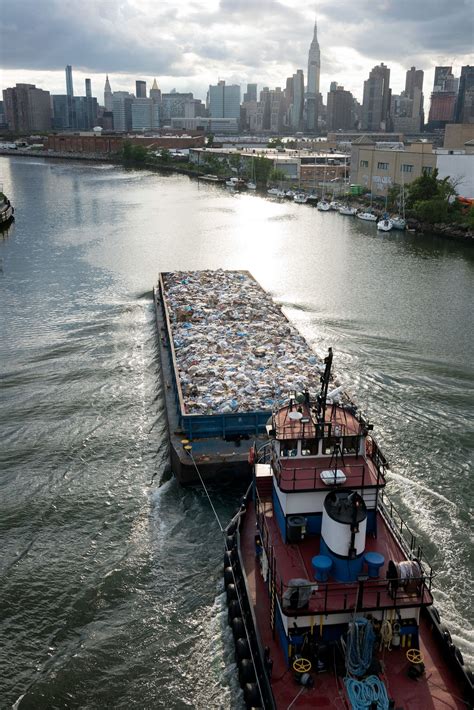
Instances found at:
x=275 y=143
x=423 y=188
x=210 y=140
x=165 y=155
x=235 y=162
x=277 y=175
x=127 y=151
x=262 y=168
x=139 y=153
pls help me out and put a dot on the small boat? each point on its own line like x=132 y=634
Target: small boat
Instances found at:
x=276 y=192
x=335 y=205
x=290 y=194
x=6 y=211
x=347 y=210
x=251 y=185
x=301 y=198
x=329 y=593
x=210 y=178
x=385 y=224
x=312 y=197
x=398 y=222
x=323 y=205
x=367 y=216
x=235 y=183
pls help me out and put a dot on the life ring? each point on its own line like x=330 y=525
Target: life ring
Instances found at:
x=251 y=456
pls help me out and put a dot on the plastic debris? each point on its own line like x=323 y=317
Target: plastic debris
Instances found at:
x=235 y=350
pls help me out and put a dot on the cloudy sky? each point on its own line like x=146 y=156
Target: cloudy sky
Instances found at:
x=188 y=44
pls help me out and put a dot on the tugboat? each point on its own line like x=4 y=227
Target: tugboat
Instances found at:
x=7 y=211
x=329 y=593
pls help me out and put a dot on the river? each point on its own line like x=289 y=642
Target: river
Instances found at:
x=110 y=572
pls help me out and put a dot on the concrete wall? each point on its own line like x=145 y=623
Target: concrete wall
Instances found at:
x=459 y=167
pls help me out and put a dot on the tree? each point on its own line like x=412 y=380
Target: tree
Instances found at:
x=139 y=153
x=277 y=175
x=165 y=155
x=275 y=143
x=210 y=140
x=423 y=188
x=262 y=169
x=234 y=162
x=127 y=151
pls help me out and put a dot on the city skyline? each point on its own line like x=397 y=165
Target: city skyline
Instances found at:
x=203 y=41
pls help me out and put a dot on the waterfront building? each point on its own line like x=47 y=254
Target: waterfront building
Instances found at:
x=464 y=110
x=145 y=114
x=224 y=101
x=122 y=110
x=379 y=166
x=376 y=101
x=155 y=92
x=140 y=89
x=251 y=93
x=340 y=114
x=27 y=108
x=108 y=96
x=314 y=71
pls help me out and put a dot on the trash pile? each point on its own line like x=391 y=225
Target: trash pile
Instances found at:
x=235 y=350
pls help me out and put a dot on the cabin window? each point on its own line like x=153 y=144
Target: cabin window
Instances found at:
x=350 y=444
x=329 y=443
x=309 y=447
x=289 y=448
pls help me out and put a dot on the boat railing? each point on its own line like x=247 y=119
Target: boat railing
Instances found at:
x=365 y=594
x=404 y=535
x=309 y=478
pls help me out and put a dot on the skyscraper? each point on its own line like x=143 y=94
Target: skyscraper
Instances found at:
x=297 y=109
x=376 y=102
x=155 y=92
x=88 y=89
x=70 y=98
x=224 y=101
x=251 y=93
x=314 y=69
x=465 y=102
x=443 y=98
x=108 y=97
x=140 y=89
x=27 y=108
x=339 y=109
x=414 y=79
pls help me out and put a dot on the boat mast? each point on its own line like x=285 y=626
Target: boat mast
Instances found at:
x=322 y=397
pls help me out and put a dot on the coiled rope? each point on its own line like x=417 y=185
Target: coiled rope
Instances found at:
x=362 y=693
x=360 y=645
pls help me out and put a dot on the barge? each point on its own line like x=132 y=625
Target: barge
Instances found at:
x=228 y=356
x=329 y=592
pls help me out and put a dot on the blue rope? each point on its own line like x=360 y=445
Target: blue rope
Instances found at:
x=362 y=693
x=360 y=645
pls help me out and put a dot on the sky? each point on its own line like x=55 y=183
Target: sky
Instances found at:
x=189 y=44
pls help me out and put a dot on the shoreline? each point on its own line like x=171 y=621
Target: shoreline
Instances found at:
x=452 y=232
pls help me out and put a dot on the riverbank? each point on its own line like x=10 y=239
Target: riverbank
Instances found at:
x=452 y=231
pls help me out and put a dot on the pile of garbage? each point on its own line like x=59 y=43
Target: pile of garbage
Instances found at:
x=235 y=350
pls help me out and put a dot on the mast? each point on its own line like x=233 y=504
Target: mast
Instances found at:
x=322 y=397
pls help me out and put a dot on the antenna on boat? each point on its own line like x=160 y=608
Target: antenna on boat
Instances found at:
x=322 y=397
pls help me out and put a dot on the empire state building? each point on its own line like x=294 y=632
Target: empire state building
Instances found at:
x=312 y=95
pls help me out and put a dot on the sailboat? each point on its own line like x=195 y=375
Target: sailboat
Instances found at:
x=399 y=221
x=252 y=183
x=385 y=224
x=323 y=204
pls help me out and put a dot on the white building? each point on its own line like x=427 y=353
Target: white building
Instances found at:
x=459 y=166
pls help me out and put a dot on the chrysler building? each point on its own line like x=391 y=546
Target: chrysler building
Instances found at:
x=312 y=94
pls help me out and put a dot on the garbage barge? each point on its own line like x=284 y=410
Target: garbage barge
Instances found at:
x=229 y=356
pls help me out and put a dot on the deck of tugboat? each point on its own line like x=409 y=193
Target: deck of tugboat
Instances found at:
x=436 y=689
x=293 y=561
